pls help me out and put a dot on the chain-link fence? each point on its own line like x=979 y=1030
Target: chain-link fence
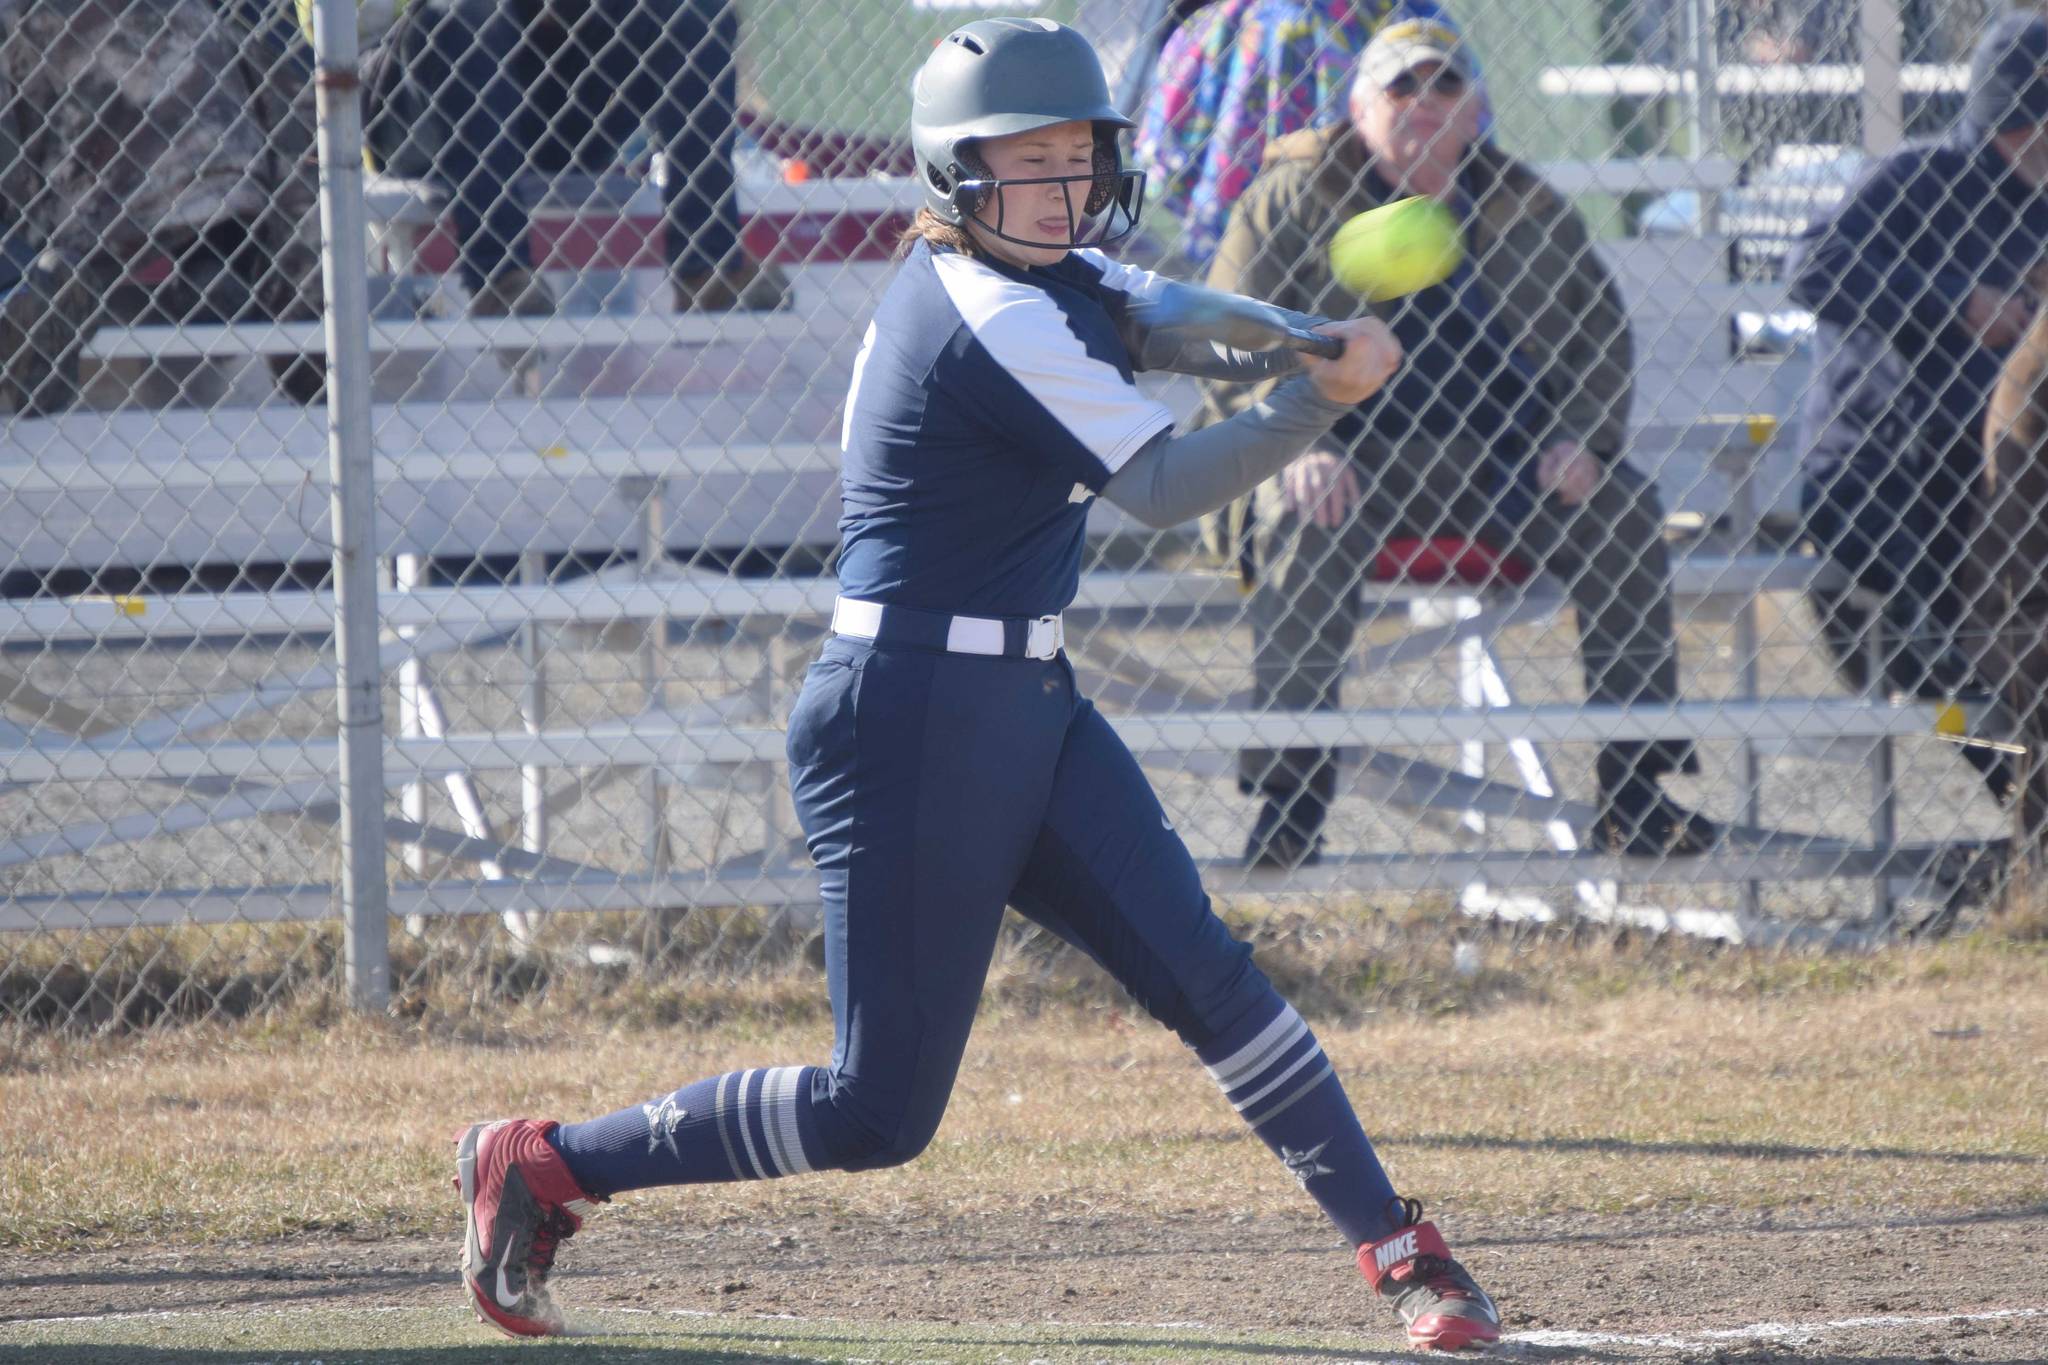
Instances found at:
x=1633 y=647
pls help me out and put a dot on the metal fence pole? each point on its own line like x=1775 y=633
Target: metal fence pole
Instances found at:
x=1884 y=97
x=1702 y=57
x=653 y=563
x=344 y=268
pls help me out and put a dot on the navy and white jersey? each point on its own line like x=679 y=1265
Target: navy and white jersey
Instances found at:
x=989 y=404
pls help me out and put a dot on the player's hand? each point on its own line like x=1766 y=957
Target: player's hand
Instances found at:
x=1320 y=489
x=1371 y=355
x=1998 y=319
x=1568 y=471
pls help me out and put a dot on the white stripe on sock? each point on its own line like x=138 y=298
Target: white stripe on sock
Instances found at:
x=1243 y=1064
x=747 y=1129
x=771 y=1095
x=1313 y=1054
x=782 y=1120
x=1277 y=1110
x=732 y=1158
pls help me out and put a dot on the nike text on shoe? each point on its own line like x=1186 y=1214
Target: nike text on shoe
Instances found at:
x=518 y=1201
x=1442 y=1306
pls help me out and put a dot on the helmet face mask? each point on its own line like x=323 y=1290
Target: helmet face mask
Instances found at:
x=996 y=77
x=1108 y=211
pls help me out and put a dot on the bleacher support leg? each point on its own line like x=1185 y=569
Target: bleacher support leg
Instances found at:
x=1752 y=766
x=421 y=714
x=409 y=573
x=533 y=703
x=1750 y=521
x=1480 y=675
x=1471 y=695
x=661 y=921
x=1477 y=896
x=1884 y=824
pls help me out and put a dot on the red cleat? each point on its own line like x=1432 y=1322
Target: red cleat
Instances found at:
x=518 y=1201
x=1441 y=1304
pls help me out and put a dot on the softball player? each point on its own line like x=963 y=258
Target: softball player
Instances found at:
x=942 y=760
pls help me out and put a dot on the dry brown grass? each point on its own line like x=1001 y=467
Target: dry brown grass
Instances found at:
x=1915 y=1079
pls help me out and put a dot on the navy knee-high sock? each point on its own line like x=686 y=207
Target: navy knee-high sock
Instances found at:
x=744 y=1125
x=1272 y=1069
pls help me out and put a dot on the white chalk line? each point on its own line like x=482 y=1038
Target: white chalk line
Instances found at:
x=1761 y=1331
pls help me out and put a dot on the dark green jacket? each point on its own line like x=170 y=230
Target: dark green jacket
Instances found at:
x=1532 y=250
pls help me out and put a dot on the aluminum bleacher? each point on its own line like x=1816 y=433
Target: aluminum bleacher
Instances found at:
x=633 y=450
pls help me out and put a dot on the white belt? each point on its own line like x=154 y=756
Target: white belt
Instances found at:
x=1042 y=638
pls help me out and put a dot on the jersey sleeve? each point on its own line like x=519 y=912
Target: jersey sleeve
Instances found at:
x=1039 y=384
x=1127 y=280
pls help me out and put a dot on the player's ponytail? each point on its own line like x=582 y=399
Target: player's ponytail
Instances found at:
x=929 y=227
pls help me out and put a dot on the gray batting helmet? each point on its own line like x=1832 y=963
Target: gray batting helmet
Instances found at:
x=995 y=77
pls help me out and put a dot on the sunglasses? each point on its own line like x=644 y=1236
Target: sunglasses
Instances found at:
x=1446 y=82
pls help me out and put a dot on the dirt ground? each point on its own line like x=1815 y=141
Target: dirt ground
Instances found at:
x=1684 y=1277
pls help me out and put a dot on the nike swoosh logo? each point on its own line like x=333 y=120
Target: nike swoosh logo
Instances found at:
x=1165 y=823
x=506 y=1298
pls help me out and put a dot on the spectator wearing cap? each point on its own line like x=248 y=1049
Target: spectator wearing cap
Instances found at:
x=1237 y=75
x=1919 y=280
x=1505 y=427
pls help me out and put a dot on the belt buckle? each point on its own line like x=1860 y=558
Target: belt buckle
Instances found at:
x=1044 y=638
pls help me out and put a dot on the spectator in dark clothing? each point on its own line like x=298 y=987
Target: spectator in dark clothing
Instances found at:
x=1919 y=282
x=474 y=93
x=1802 y=32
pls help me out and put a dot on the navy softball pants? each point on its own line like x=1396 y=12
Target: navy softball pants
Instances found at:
x=935 y=788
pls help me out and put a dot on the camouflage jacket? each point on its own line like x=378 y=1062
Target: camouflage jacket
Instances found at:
x=1532 y=250
x=122 y=120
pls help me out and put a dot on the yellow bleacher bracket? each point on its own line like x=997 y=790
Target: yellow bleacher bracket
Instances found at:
x=125 y=603
x=1762 y=427
x=554 y=452
x=1950 y=724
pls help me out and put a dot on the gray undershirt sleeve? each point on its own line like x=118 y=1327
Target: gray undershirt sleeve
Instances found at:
x=1173 y=479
